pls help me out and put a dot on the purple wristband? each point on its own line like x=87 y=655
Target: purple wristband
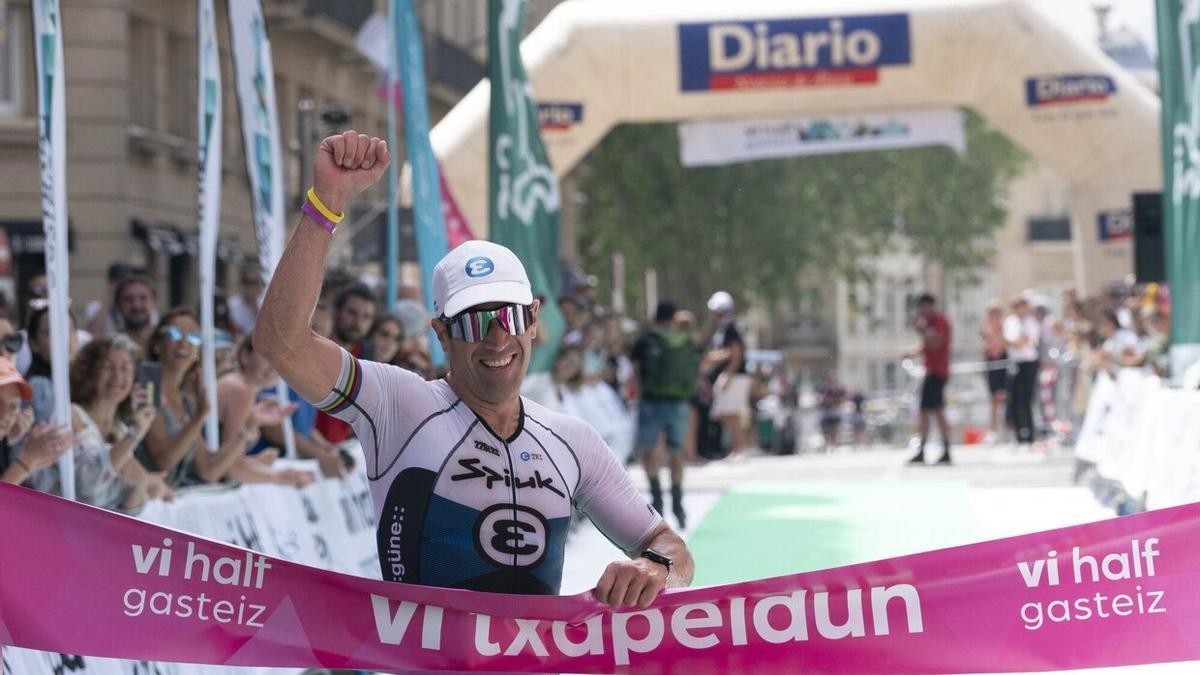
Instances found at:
x=319 y=218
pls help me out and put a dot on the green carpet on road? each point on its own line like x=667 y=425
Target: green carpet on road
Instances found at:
x=766 y=529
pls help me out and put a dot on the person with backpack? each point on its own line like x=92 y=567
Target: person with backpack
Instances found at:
x=668 y=366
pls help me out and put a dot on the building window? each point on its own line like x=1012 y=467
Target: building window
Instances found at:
x=11 y=27
x=1049 y=229
x=891 y=321
x=181 y=85
x=143 y=76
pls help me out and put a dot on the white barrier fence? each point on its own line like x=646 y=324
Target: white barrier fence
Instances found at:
x=1139 y=433
x=329 y=524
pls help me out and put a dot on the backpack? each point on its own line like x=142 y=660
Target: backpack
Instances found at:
x=671 y=366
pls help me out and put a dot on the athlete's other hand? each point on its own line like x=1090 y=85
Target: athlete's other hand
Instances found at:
x=626 y=583
x=346 y=164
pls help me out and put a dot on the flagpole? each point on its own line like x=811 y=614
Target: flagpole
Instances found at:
x=209 y=128
x=52 y=153
x=393 y=197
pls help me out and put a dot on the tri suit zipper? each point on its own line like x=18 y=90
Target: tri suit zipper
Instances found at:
x=512 y=471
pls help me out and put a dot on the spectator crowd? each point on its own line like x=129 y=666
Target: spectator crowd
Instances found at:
x=1040 y=365
x=139 y=402
x=678 y=390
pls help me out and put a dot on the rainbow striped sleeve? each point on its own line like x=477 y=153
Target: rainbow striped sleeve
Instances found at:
x=346 y=389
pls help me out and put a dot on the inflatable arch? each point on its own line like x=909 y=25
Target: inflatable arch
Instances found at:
x=594 y=64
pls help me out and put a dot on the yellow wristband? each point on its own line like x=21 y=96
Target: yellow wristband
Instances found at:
x=316 y=202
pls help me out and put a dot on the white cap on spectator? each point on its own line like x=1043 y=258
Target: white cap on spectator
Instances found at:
x=477 y=273
x=720 y=302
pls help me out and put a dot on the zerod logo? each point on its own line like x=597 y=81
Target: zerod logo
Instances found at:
x=511 y=535
x=480 y=267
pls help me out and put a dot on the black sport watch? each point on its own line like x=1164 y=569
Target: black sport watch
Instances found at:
x=654 y=556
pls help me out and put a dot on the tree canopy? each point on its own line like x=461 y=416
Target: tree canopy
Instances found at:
x=755 y=228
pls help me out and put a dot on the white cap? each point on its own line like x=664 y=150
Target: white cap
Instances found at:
x=720 y=302
x=477 y=273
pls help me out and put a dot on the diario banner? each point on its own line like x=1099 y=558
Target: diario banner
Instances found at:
x=1116 y=592
x=834 y=51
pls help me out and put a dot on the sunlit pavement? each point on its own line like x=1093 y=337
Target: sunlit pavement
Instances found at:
x=775 y=515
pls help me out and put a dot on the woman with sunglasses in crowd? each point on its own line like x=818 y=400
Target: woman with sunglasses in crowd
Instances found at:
x=386 y=337
x=173 y=438
x=110 y=416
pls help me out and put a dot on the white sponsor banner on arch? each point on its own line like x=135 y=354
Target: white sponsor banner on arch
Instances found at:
x=712 y=143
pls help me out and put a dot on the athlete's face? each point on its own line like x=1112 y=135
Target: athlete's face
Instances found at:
x=491 y=370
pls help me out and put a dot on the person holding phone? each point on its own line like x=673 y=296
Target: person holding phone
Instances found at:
x=110 y=416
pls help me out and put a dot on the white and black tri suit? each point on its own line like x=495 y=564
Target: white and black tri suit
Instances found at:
x=457 y=505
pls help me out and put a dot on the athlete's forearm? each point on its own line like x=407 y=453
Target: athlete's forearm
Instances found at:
x=283 y=327
x=670 y=544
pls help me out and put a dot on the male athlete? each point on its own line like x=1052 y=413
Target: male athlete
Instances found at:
x=473 y=485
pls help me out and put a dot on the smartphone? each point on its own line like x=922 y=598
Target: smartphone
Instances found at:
x=149 y=375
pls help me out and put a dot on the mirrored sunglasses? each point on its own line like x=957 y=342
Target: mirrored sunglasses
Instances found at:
x=13 y=342
x=473 y=325
x=176 y=335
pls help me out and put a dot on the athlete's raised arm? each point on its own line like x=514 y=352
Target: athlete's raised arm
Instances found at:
x=345 y=165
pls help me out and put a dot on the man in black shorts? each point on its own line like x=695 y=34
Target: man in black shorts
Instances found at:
x=473 y=485
x=934 y=328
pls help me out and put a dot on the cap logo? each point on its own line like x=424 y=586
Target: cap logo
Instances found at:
x=480 y=267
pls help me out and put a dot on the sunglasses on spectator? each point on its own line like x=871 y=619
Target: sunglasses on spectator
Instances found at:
x=12 y=342
x=473 y=325
x=176 y=335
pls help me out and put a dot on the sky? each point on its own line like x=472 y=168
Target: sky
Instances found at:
x=1078 y=16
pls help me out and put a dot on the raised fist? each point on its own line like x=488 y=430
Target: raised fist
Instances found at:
x=345 y=165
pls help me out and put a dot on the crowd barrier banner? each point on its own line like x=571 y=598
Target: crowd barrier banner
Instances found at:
x=1089 y=445
x=1140 y=434
x=79 y=580
x=1124 y=456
